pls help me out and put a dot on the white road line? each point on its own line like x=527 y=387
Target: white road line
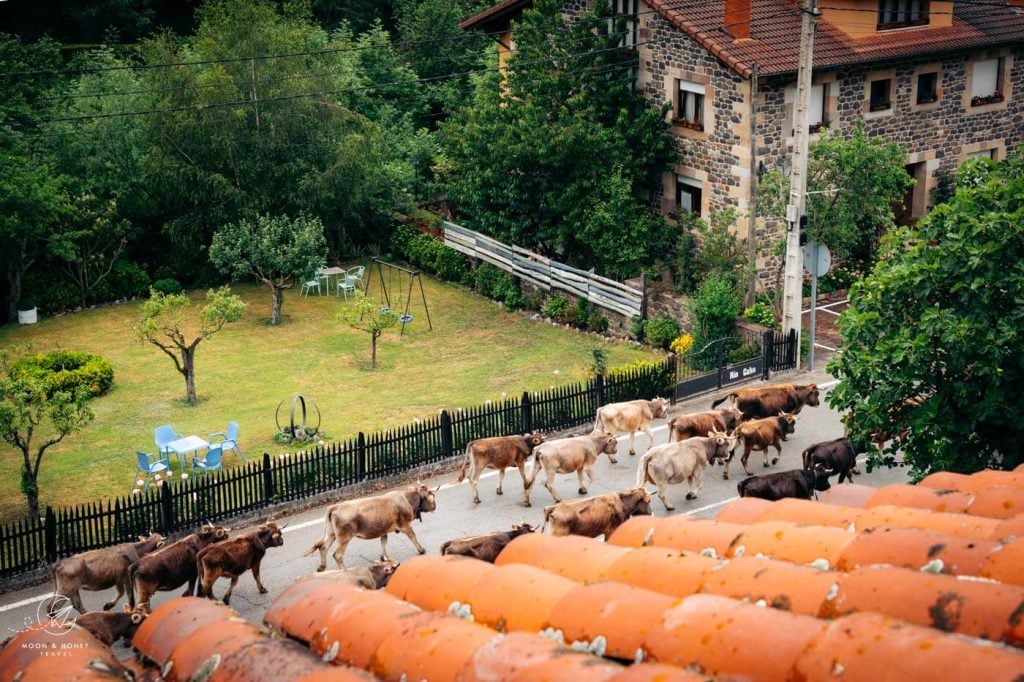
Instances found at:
x=24 y=602
x=698 y=510
x=821 y=345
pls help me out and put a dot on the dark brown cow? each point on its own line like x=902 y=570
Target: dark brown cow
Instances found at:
x=373 y=517
x=376 y=576
x=701 y=424
x=497 y=453
x=234 y=557
x=797 y=483
x=109 y=627
x=760 y=434
x=100 y=569
x=767 y=401
x=598 y=515
x=172 y=566
x=485 y=547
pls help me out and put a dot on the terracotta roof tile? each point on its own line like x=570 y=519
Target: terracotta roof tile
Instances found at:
x=433 y=583
x=779 y=584
x=848 y=495
x=979 y=481
x=677 y=532
x=83 y=657
x=160 y=632
x=1006 y=563
x=953 y=493
x=922 y=497
x=916 y=548
x=656 y=672
x=428 y=646
x=799 y=544
x=997 y=503
x=960 y=525
x=577 y=559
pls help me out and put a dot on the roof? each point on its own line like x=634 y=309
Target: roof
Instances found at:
x=498 y=17
x=899 y=582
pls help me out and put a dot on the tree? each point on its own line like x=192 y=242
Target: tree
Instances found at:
x=162 y=323
x=369 y=316
x=28 y=411
x=276 y=250
x=932 y=339
x=558 y=146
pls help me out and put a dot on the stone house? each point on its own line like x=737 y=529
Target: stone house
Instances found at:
x=945 y=79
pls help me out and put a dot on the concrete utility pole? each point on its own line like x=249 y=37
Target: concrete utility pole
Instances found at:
x=793 y=285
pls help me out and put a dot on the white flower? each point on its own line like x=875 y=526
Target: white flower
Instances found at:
x=184 y=475
x=557 y=371
x=140 y=483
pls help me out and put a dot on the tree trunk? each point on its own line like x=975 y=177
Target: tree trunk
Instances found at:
x=275 y=308
x=188 y=368
x=14 y=290
x=30 y=486
x=373 y=351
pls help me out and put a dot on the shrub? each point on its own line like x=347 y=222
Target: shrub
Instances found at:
x=662 y=377
x=682 y=344
x=761 y=313
x=424 y=251
x=398 y=244
x=745 y=352
x=450 y=265
x=661 y=331
x=637 y=328
x=487 y=280
x=70 y=371
x=599 y=364
x=714 y=307
x=534 y=300
x=575 y=315
x=596 y=322
x=126 y=280
x=555 y=307
x=167 y=286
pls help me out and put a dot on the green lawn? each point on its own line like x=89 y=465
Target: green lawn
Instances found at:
x=476 y=352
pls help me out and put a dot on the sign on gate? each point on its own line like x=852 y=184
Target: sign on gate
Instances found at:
x=750 y=369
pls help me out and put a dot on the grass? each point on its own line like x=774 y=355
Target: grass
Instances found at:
x=476 y=352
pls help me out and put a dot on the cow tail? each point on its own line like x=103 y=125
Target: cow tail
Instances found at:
x=445 y=546
x=316 y=545
x=465 y=464
x=598 y=426
x=132 y=570
x=535 y=470
x=807 y=459
x=722 y=400
x=548 y=511
x=641 y=469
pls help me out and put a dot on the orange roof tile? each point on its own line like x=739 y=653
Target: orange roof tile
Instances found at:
x=788 y=541
x=798 y=511
x=656 y=672
x=578 y=559
x=677 y=532
x=744 y=510
x=428 y=646
x=997 y=503
x=433 y=583
x=781 y=585
x=915 y=548
x=848 y=495
x=961 y=525
x=922 y=497
x=1005 y=563
x=82 y=656
x=663 y=570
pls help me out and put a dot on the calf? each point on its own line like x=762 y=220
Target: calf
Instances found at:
x=683 y=426
x=109 y=627
x=599 y=515
x=172 y=566
x=373 y=517
x=796 y=483
x=630 y=417
x=485 y=547
x=673 y=463
x=760 y=434
x=234 y=557
x=373 y=577
x=498 y=453
x=759 y=402
x=832 y=456
x=568 y=455
x=100 y=569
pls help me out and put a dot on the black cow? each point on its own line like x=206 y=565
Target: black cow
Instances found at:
x=795 y=483
x=833 y=457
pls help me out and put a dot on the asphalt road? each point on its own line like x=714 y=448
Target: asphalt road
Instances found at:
x=458 y=516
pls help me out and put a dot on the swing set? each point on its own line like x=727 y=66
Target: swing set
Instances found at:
x=391 y=288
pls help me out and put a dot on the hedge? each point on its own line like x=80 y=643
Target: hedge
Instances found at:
x=68 y=370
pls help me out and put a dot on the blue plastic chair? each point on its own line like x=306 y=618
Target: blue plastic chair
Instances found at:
x=164 y=435
x=229 y=440
x=150 y=466
x=211 y=462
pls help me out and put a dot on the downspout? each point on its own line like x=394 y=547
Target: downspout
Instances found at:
x=752 y=224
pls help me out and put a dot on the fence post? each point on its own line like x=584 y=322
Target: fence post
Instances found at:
x=643 y=295
x=166 y=511
x=768 y=351
x=447 y=437
x=720 y=362
x=794 y=350
x=673 y=365
x=527 y=413
x=360 y=456
x=268 y=479
x=50 y=535
x=599 y=389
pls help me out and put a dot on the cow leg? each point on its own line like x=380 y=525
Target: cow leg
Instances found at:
x=501 y=478
x=227 y=595
x=191 y=588
x=384 y=547
x=411 y=534
x=725 y=465
x=579 y=475
x=339 y=551
x=522 y=473
x=551 y=488
x=778 y=455
x=661 y=495
x=696 y=482
x=256 y=576
x=474 y=479
x=650 y=437
x=632 y=436
x=743 y=460
x=120 y=593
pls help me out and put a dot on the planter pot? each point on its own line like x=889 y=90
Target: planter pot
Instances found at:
x=27 y=316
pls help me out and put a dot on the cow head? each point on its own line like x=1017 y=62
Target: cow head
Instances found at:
x=811 y=392
x=428 y=502
x=787 y=421
x=139 y=614
x=270 y=535
x=152 y=542
x=732 y=416
x=821 y=475
x=724 y=442
x=212 y=533
x=534 y=439
x=642 y=507
x=381 y=572
x=522 y=528
x=606 y=443
x=658 y=407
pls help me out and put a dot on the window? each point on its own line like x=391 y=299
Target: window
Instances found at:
x=689 y=193
x=817 y=115
x=983 y=154
x=902 y=13
x=628 y=9
x=927 y=87
x=690 y=105
x=881 y=97
x=987 y=83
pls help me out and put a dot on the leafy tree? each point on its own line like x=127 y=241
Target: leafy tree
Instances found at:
x=714 y=307
x=163 y=324
x=558 y=147
x=940 y=323
x=276 y=250
x=719 y=253
x=369 y=316
x=28 y=411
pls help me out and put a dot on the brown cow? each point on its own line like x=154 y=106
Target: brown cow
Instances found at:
x=172 y=566
x=630 y=417
x=234 y=557
x=759 y=402
x=497 y=453
x=485 y=547
x=373 y=517
x=760 y=434
x=687 y=460
x=568 y=455
x=100 y=569
x=683 y=426
x=376 y=576
x=598 y=515
x=109 y=627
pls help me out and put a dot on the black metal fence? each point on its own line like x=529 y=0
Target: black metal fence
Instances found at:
x=255 y=485
x=732 y=359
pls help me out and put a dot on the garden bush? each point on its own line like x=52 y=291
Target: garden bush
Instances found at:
x=714 y=307
x=66 y=370
x=450 y=265
x=747 y=351
x=663 y=379
x=637 y=327
x=168 y=285
x=555 y=307
x=761 y=313
x=661 y=331
x=682 y=344
x=534 y=300
x=596 y=322
x=126 y=280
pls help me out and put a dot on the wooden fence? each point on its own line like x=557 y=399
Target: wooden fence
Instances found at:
x=183 y=505
x=546 y=273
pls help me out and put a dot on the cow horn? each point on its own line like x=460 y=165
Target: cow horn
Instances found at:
x=437 y=488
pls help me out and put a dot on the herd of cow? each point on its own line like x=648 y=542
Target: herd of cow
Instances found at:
x=758 y=419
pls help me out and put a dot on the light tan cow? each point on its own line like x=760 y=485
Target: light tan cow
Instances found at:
x=630 y=417
x=680 y=461
x=498 y=453
x=373 y=517
x=376 y=576
x=598 y=515
x=569 y=455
